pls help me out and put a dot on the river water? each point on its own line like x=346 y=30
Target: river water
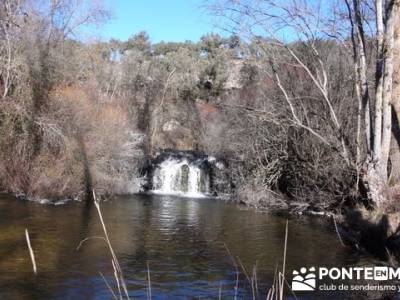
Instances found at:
x=189 y=245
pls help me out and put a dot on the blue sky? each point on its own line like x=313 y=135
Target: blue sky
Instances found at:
x=174 y=20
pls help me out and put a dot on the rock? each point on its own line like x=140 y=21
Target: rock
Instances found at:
x=393 y=223
x=176 y=126
x=388 y=222
x=171 y=125
x=233 y=80
x=374 y=231
x=220 y=177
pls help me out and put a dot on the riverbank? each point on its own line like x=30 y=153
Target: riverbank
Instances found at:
x=372 y=231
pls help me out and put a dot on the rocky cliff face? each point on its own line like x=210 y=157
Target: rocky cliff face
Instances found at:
x=175 y=125
x=179 y=124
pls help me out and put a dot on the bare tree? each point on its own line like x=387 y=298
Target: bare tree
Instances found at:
x=11 y=20
x=386 y=12
x=345 y=21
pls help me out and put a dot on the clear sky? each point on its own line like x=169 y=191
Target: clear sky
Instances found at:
x=168 y=20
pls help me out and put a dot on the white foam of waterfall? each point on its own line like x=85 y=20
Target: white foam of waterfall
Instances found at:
x=180 y=177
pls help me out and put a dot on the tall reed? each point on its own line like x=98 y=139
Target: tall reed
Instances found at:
x=119 y=278
x=277 y=288
x=32 y=255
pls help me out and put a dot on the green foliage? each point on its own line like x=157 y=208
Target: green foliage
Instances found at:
x=211 y=44
x=163 y=48
x=139 y=42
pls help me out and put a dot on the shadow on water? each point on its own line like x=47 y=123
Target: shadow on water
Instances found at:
x=182 y=239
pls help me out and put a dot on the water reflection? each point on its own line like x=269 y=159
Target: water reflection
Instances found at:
x=182 y=239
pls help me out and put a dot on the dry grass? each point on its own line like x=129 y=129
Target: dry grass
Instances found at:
x=276 y=292
x=148 y=281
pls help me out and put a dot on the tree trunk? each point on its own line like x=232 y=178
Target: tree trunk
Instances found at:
x=387 y=93
x=361 y=68
x=376 y=175
x=395 y=143
x=378 y=81
x=396 y=61
x=394 y=177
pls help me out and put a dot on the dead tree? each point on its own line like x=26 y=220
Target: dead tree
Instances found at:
x=376 y=165
x=11 y=18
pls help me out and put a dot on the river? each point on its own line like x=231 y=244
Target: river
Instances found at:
x=188 y=244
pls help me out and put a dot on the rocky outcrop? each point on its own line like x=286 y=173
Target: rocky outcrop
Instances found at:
x=175 y=125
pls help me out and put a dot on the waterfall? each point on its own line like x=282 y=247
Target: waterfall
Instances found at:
x=183 y=176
